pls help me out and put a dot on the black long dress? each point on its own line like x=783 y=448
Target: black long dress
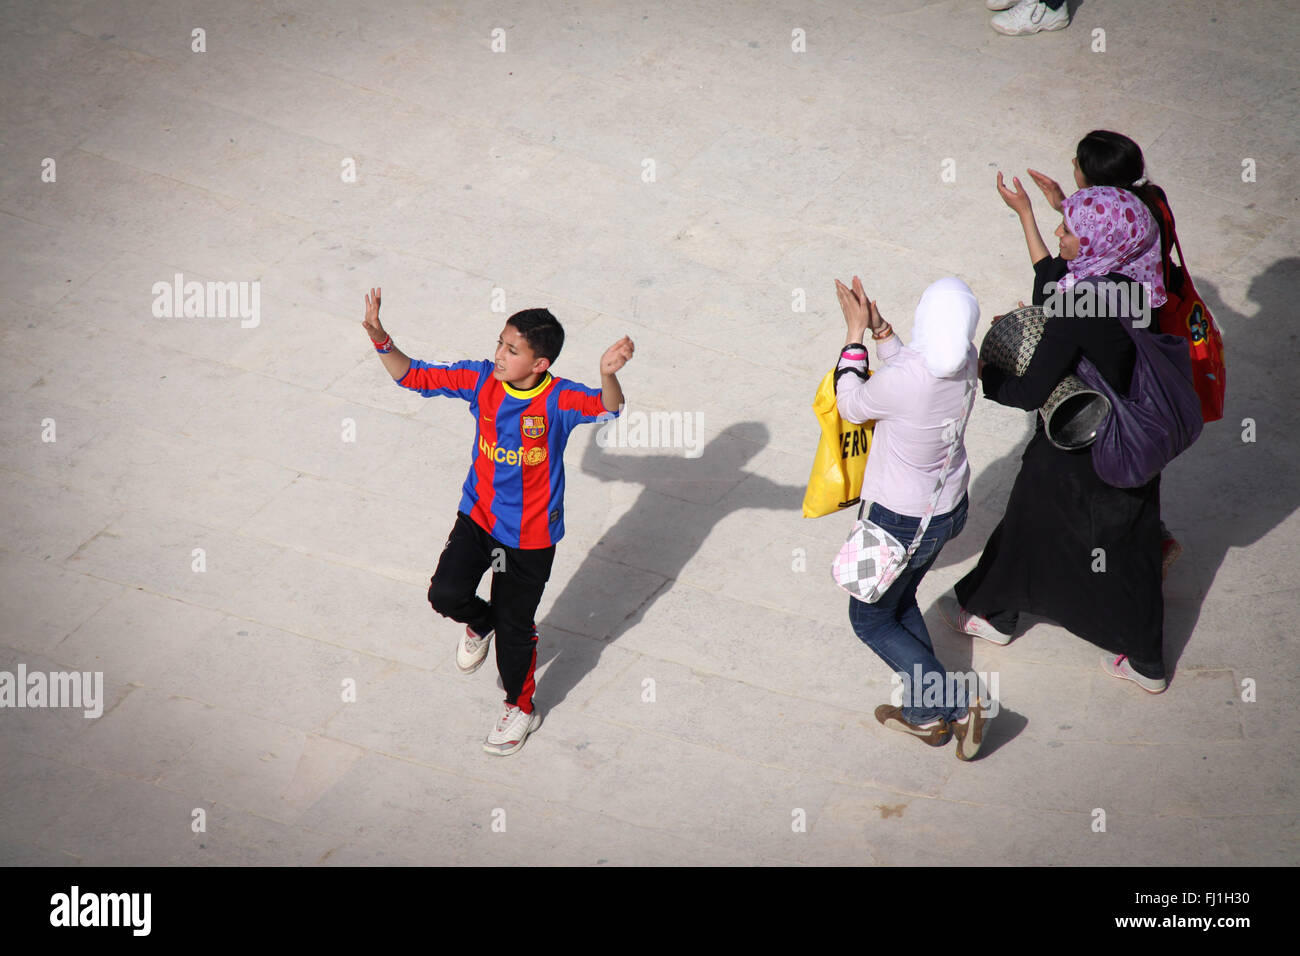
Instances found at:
x=1043 y=557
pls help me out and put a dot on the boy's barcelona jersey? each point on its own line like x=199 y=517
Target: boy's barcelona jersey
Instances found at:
x=515 y=487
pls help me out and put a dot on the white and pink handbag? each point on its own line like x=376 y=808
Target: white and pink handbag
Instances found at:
x=871 y=560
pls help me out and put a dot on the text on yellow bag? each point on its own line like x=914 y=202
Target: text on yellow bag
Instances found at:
x=836 y=479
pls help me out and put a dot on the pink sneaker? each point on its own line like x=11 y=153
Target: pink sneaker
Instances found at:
x=1120 y=667
x=963 y=622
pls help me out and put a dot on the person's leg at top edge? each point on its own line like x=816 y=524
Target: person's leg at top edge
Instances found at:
x=1032 y=16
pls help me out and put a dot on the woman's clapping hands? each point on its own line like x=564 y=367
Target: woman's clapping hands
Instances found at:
x=860 y=313
x=854 y=305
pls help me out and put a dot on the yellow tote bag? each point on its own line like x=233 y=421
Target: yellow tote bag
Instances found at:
x=836 y=479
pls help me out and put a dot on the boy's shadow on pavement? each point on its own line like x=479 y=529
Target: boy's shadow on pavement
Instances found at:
x=639 y=558
x=1222 y=493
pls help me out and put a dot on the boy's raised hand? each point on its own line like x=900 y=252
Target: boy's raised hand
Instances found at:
x=371 y=321
x=616 y=356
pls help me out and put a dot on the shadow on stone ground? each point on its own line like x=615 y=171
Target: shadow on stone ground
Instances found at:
x=720 y=486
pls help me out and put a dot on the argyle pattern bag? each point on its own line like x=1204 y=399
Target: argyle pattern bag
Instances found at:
x=871 y=559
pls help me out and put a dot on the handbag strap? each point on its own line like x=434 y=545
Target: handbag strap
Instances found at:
x=1182 y=262
x=1169 y=242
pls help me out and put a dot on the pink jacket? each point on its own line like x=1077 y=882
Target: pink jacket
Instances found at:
x=911 y=408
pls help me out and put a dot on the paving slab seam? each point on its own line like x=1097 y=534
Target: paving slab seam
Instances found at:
x=212 y=805
x=248 y=208
x=390 y=662
x=613 y=173
x=1131 y=744
x=323 y=859
x=819 y=775
x=1287 y=591
x=736 y=681
x=225 y=705
x=869 y=783
x=458 y=771
x=1224 y=816
x=495 y=786
x=57 y=486
x=635 y=660
x=679 y=583
x=696 y=670
x=4 y=551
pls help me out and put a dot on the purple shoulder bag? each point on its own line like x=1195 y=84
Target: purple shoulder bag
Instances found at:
x=1159 y=418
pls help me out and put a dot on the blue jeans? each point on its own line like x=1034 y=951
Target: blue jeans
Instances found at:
x=893 y=626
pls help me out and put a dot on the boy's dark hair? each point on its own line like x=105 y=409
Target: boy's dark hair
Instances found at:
x=540 y=330
x=1107 y=158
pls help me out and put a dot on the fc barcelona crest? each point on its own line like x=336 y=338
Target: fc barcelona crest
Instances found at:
x=533 y=426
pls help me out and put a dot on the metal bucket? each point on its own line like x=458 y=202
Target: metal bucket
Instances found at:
x=1073 y=412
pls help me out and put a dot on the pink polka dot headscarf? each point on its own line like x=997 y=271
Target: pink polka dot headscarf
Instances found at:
x=1117 y=233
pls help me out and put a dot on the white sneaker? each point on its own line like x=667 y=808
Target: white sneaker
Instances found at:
x=1029 y=17
x=511 y=730
x=472 y=650
x=1000 y=4
x=963 y=622
x=1121 y=668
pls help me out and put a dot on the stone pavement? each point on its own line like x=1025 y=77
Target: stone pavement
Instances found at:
x=234 y=517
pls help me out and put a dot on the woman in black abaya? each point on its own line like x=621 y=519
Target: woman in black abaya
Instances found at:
x=1070 y=547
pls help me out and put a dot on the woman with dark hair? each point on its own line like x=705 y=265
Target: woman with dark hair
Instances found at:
x=1107 y=158
x=1070 y=547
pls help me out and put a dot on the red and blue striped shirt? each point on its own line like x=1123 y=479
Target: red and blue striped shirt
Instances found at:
x=515 y=487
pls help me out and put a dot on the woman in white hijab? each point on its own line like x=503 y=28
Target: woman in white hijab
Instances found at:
x=919 y=398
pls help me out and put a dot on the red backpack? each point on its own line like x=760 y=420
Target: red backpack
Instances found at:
x=1185 y=314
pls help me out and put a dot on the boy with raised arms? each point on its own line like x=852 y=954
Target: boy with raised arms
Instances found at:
x=511 y=510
